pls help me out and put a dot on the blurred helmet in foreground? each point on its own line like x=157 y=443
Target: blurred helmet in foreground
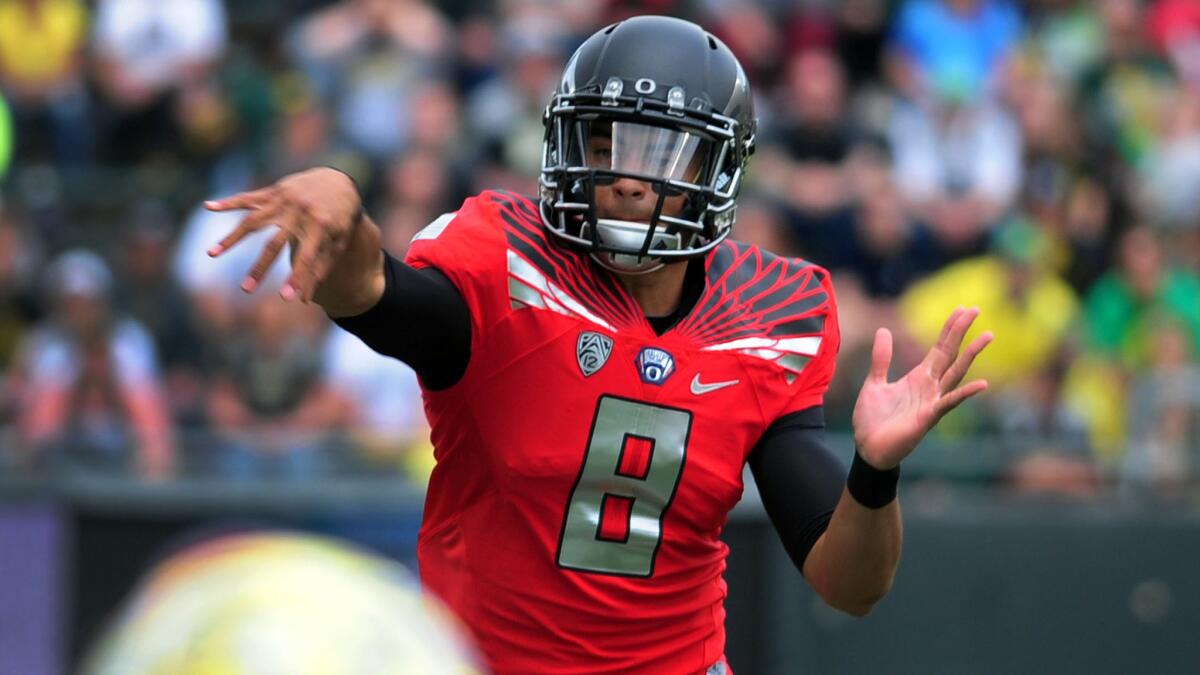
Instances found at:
x=284 y=604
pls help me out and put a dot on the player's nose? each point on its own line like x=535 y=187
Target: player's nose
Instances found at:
x=629 y=188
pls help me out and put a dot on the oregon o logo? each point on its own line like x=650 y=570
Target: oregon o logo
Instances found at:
x=655 y=365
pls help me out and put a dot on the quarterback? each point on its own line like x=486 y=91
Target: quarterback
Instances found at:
x=599 y=363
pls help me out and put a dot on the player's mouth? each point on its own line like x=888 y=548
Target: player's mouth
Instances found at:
x=642 y=219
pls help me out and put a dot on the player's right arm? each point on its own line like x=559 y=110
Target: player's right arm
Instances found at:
x=338 y=262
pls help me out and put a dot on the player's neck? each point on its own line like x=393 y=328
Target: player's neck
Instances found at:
x=659 y=292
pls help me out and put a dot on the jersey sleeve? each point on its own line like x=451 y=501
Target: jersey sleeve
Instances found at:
x=809 y=387
x=468 y=247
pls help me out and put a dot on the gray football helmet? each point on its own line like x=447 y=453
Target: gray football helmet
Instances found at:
x=674 y=110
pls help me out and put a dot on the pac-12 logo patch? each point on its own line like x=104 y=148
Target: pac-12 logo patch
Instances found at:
x=655 y=365
x=592 y=350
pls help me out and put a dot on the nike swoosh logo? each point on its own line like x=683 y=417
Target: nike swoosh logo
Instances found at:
x=699 y=387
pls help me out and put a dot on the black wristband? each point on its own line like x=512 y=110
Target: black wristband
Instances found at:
x=869 y=486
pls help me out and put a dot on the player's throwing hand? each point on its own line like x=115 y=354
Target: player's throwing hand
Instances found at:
x=316 y=210
x=890 y=418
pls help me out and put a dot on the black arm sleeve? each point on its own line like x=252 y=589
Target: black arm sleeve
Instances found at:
x=420 y=319
x=799 y=478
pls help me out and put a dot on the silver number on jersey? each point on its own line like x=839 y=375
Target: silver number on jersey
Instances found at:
x=638 y=498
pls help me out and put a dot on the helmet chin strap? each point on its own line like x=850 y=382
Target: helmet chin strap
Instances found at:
x=630 y=235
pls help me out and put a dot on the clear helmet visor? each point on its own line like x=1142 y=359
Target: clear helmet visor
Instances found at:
x=644 y=150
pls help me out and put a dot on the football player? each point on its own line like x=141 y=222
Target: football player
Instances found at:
x=600 y=362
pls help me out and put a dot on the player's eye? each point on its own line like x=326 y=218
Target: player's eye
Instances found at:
x=601 y=156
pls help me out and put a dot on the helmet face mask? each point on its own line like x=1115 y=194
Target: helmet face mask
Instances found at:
x=635 y=119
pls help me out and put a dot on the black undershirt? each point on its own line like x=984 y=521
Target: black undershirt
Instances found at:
x=693 y=288
x=422 y=320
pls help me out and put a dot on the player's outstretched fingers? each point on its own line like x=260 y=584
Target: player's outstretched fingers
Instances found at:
x=260 y=217
x=962 y=364
x=304 y=266
x=265 y=259
x=931 y=358
x=881 y=355
x=324 y=262
x=961 y=327
x=334 y=248
x=952 y=400
x=945 y=351
x=241 y=200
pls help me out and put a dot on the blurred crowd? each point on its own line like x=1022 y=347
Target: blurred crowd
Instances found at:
x=1038 y=159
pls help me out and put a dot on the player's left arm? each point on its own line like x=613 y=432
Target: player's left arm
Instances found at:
x=802 y=485
x=852 y=564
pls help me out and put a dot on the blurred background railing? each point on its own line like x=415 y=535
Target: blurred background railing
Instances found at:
x=1036 y=158
x=992 y=581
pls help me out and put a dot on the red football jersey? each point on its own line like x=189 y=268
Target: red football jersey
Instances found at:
x=586 y=465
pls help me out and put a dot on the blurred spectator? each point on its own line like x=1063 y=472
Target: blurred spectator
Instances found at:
x=1048 y=440
x=147 y=291
x=1066 y=38
x=804 y=161
x=1088 y=228
x=861 y=35
x=1123 y=313
x=306 y=135
x=437 y=129
x=1126 y=95
x=859 y=316
x=1125 y=305
x=41 y=72
x=1026 y=307
x=1059 y=194
x=273 y=413
x=895 y=138
x=752 y=34
x=1171 y=174
x=420 y=182
x=762 y=224
x=386 y=411
x=153 y=61
x=476 y=51
x=1174 y=27
x=954 y=49
x=889 y=248
x=505 y=112
x=366 y=57
x=90 y=389
x=957 y=153
x=386 y=415
x=436 y=119
x=213 y=289
x=959 y=165
x=18 y=306
x=1164 y=414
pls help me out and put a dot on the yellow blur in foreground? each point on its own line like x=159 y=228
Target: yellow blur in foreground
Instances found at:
x=281 y=603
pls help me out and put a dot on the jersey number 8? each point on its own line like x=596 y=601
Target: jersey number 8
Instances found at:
x=630 y=473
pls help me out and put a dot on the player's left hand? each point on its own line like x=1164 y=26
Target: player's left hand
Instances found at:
x=890 y=418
